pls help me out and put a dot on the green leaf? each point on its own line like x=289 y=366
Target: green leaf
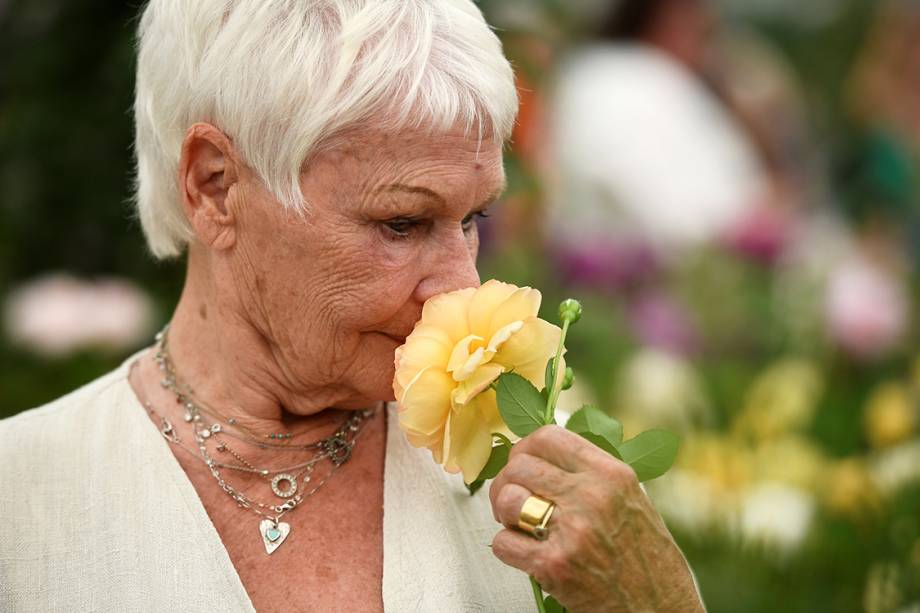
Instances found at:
x=521 y=405
x=601 y=442
x=497 y=461
x=651 y=453
x=475 y=485
x=504 y=440
x=591 y=419
x=551 y=605
x=548 y=376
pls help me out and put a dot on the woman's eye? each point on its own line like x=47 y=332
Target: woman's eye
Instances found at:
x=467 y=222
x=402 y=228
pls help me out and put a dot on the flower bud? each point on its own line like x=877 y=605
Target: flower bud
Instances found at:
x=569 y=378
x=570 y=310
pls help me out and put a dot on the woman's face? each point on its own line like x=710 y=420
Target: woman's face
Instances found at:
x=392 y=222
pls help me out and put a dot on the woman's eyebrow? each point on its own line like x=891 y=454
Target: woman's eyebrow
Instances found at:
x=412 y=189
x=438 y=198
x=495 y=195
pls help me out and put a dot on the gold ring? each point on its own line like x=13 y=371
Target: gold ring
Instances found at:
x=535 y=516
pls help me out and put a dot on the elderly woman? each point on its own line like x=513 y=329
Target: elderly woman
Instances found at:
x=322 y=165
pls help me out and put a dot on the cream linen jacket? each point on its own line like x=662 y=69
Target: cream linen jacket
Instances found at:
x=97 y=515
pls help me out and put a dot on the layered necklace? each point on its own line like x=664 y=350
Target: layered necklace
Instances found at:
x=292 y=483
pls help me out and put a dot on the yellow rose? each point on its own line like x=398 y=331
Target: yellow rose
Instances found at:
x=463 y=342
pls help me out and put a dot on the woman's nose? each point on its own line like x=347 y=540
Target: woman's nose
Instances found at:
x=454 y=268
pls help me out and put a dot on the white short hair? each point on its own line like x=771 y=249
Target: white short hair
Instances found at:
x=283 y=77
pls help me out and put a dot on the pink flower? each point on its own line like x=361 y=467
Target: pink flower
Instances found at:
x=761 y=235
x=58 y=314
x=866 y=308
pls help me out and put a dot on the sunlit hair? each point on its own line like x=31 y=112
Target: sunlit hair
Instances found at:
x=283 y=78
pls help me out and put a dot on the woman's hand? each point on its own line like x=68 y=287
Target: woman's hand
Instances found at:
x=608 y=549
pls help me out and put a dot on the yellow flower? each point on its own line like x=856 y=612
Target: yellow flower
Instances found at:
x=890 y=416
x=782 y=399
x=848 y=489
x=792 y=459
x=463 y=342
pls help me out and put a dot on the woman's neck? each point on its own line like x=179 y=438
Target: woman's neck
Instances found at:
x=233 y=365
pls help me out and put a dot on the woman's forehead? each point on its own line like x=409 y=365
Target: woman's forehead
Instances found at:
x=435 y=167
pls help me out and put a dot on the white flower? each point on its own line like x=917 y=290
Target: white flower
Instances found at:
x=58 y=314
x=661 y=389
x=894 y=468
x=777 y=516
x=689 y=501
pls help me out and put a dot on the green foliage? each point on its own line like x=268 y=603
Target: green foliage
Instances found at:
x=497 y=461
x=520 y=403
x=569 y=379
x=551 y=605
x=651 y=453
x=592 y=419
x=548 y=377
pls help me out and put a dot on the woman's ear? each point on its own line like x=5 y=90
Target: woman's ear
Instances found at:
x=208 y=169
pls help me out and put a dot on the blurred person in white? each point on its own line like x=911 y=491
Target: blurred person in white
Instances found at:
x=645 y=152
x=671 y=131
x=322 y=164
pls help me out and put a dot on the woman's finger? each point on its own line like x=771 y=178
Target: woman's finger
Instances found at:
x=510 y=501
x=561 y=447
x=517 y=549
x=533 y=473
x=542 y=560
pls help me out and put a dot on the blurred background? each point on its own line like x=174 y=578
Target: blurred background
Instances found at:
x=730 y=187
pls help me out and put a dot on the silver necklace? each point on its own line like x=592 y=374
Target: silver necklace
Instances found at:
x=272 y=530
x=284 y=484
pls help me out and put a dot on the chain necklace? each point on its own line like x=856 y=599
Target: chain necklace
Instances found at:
x=185 y=395
x=337 y=448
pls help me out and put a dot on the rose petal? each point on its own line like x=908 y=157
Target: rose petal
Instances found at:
x=528 y=350
x=433 y=441
x=477 y=359
x=448 y=313
x=425 y=403
x=461 y=352
x=428 y=348
x=467 y=439
x=478 y=381
x=520 y=305
x=503 y=334
x=484 y=304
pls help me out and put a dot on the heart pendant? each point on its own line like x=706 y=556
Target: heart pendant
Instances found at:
x=273 y=534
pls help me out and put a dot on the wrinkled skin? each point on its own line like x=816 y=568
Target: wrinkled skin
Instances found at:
x=608 y=549
x=312 y=308
x=285 y=322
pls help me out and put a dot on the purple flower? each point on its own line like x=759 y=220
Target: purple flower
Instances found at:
x=659 y=321
x=606 y=265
